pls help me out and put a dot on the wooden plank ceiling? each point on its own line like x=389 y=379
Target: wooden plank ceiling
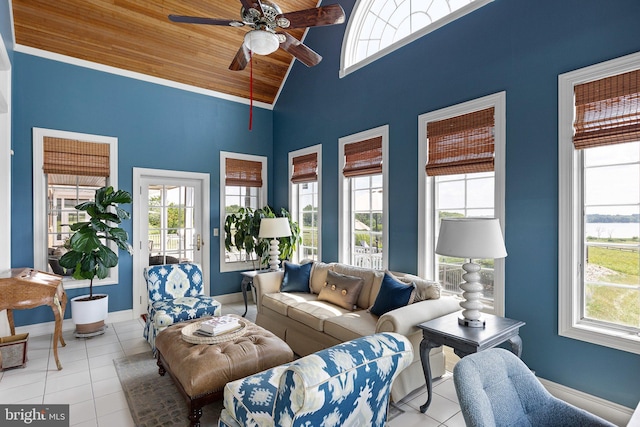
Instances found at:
x=136 y=35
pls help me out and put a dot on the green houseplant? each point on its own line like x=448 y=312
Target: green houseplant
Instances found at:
x=242 y=228
x=90 y=256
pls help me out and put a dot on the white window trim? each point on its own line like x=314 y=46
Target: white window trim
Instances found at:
x=40 y=257
x=293 y=209
x=5 y=157
x=344 y=195
x=359 y=13
x=240 y=265
x=570 y=210
x=426 y=198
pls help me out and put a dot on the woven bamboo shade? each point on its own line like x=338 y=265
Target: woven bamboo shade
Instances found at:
x=305 y=168
x=243 y=173
x=462 y=144
x=72 y=157
x=363 y=157
x=607 y=111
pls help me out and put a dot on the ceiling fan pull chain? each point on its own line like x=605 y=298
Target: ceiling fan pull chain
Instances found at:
x=250 y=90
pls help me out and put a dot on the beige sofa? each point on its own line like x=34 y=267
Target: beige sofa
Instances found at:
x=309 y=325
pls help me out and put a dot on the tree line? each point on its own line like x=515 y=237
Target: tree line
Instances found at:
x=613 y=218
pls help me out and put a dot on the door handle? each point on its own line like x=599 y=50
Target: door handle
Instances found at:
x=198 y=242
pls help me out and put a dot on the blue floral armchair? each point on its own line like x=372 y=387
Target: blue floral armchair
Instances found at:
x=345 y=385
x=176 y=294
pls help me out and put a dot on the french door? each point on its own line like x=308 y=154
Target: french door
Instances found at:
x=171 y=211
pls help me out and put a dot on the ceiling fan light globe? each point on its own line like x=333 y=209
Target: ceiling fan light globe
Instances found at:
x=261 y=42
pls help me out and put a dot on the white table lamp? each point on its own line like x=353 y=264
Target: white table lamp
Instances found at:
x=471 y=238
x=272 y=228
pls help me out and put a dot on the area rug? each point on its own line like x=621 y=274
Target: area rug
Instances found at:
x=153 y=399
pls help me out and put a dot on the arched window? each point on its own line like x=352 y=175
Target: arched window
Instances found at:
x=378 y=27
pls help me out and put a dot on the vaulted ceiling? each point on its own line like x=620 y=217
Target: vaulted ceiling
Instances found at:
x=136 y=35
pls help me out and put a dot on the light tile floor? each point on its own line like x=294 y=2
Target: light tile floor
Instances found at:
x=89 y=384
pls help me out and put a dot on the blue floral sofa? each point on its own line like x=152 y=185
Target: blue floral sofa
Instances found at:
x=176 y=294
x=345 y=385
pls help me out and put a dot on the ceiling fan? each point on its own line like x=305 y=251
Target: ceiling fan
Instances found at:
x=268 y=22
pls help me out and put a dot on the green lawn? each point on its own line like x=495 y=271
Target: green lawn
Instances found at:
x=615 y=304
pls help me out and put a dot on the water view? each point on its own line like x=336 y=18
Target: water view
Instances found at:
x=612 y=230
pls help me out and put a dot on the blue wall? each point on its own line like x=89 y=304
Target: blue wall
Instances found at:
x=157 y=127
x=517 y=46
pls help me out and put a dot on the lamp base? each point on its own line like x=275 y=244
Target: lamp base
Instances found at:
x=274 y=255
x=471 y=323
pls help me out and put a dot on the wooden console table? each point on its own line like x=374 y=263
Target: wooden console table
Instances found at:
x=22 y=288
x=465 y=340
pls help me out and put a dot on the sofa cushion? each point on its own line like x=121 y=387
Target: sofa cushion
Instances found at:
x=341 y=290
x=281 y=301
x=319 y=276
x=296 y=277
x=425 y=289
x=314 y=313
x=372 y=279
x=351 y=325
x=393 y=294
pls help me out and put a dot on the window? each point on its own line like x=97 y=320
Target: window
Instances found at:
x=462 y=152
x=363 y=200
x=172 y=223
x=242 y=185
x=599 y=201
x=304 y=199
x=67 y=170
x=379 y=27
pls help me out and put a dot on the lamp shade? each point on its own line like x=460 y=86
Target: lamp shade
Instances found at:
x=272 y=228
x=261 y=42
x=478 y=238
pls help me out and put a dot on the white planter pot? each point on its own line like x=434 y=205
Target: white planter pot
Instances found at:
x=89 y=312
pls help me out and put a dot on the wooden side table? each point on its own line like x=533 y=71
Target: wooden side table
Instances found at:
x=22 y=288
x=464 y=340
x=247 y=283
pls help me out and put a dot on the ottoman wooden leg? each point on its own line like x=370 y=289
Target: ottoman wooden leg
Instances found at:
x=194 y=415
x=161 y=369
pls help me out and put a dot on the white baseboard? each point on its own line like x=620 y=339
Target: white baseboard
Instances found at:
x=612 y=412
x=114 y=317
x=67 y=324
x=233 y=298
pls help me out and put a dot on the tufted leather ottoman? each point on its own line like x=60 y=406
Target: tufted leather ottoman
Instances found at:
x=200 y=371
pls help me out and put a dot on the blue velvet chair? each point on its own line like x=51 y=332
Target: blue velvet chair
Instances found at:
x=347 y=385
x=496 y=388
x=176 y=294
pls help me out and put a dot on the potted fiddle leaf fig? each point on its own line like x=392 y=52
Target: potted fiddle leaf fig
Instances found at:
x=90 y=256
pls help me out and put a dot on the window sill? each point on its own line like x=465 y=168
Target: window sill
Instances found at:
x=238 y=266
x=70 y=283
x=596 y=334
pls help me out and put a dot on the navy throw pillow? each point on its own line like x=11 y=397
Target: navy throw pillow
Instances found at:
x=393 y=294
x=296 y=277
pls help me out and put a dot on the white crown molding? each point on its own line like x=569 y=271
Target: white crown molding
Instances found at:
x=133 y=75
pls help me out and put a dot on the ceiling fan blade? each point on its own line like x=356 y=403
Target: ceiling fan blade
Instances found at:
x=315 y=17
x=241 y=59
x=207 y=21
x=302 y=53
